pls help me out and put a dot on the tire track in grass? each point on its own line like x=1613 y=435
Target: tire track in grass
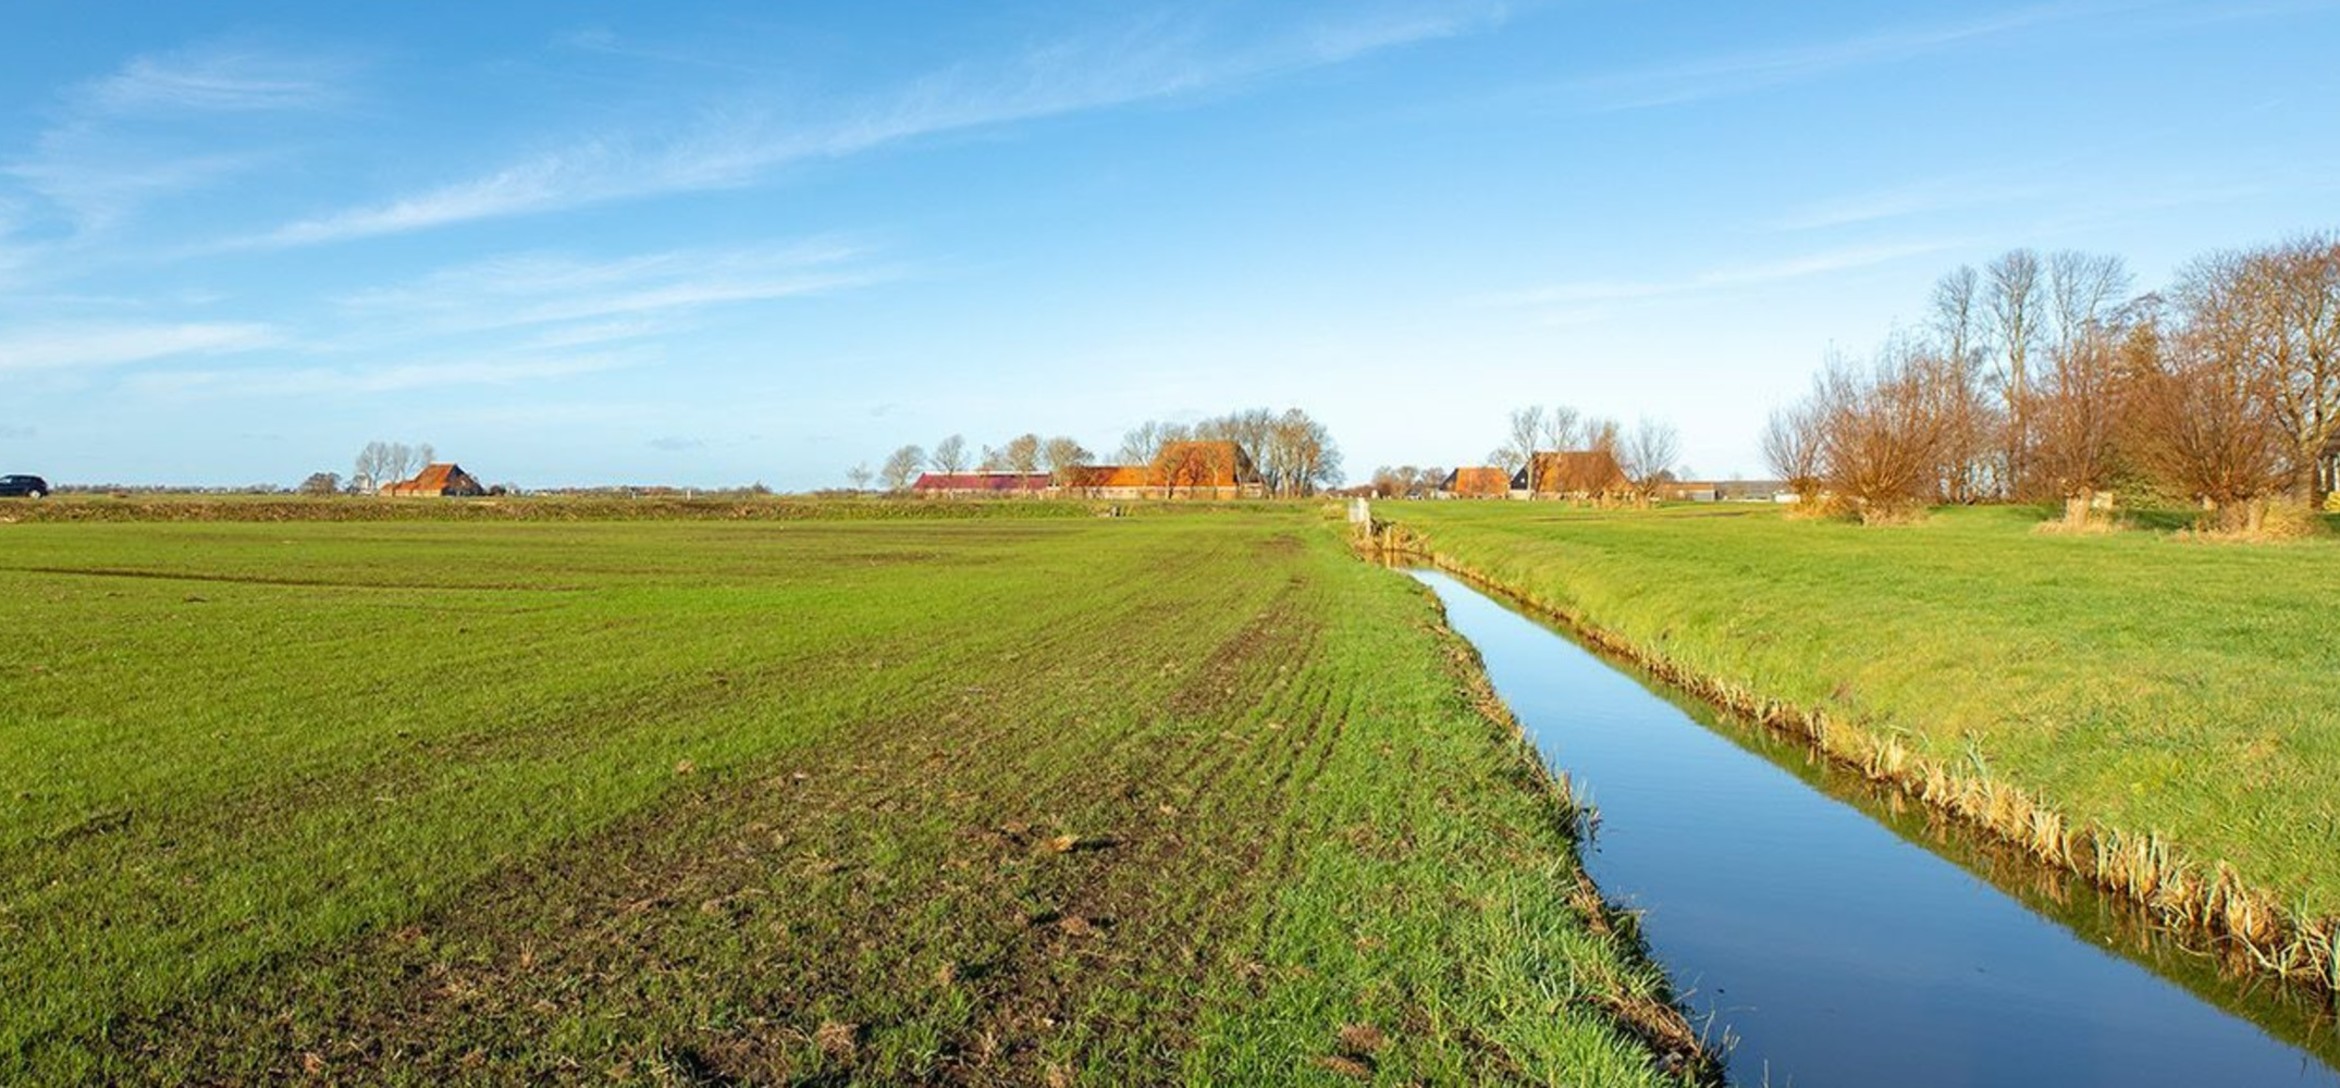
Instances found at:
x=1166 y=892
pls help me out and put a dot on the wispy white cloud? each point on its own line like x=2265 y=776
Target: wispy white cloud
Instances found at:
x=587 y=333
x=1904 y=201
x=219 y=78
x=99 y=181
x=600 y=300
x=743 y=142
x=122 y=140
x=1573 y=298
x=1739 y=73
x=87 y=347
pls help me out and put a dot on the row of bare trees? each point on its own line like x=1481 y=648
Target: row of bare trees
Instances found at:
x=2045 y=378
x=1406 y=481
x=1561 y=427
x=381 y=463
x=1027 y=455
x=1295 y=454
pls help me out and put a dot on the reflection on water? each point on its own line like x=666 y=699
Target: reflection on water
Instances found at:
x=1842 y=936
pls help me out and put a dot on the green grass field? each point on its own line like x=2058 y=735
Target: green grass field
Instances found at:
x=1153 y=799
x=2138 y=680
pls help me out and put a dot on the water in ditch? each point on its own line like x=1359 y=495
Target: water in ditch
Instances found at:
x=1836 y=936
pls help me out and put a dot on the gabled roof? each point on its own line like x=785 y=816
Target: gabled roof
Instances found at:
x=981 y=481
x=434 y=479
x=1103 y=476
x=1573 y=472
x=1203 y=463
x=1476 y=481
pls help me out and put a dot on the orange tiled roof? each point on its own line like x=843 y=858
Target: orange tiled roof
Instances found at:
x=1480 y=481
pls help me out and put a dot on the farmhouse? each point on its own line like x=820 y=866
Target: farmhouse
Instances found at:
x=1189 y=470
x=1690 y=491
x=1571 y=474
x=444 y=479
x=1183 y=470
x=1475 y=483
x=981 y=483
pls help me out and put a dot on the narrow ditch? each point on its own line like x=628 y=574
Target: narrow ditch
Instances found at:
x=1836 y=933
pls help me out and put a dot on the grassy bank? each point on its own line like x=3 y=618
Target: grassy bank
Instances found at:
x=1156 y=799
x=2163 y=715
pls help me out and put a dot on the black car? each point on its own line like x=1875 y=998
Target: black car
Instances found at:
x=23 y=487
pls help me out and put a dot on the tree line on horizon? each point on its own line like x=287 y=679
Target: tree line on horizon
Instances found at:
x=1295 y=454
x=2039 y=378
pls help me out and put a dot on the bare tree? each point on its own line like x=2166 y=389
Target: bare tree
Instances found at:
x=1880 y=432
x=1064 y=458
x=321 y=483
x=860 y=476
x=1563 y=428
x=2012 y=302
x=2293 y=299
x=1647 y=457
x=1250 y=428
x=1791 y=446
x=1524 y=429
x=1957 y=313
x=1304 y=453
x=1144 y=442
x=1021 y=456
x=2082 y=291
x=2079 y=413
x=2201 y=418
x=950 y=455
x=402 y=463
x=901 y=466
x=372 y=468
x=1600 y=434
x=1971 y=425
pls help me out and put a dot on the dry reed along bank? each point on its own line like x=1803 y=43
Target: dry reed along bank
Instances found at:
x=997 y=800
x=2162 y=715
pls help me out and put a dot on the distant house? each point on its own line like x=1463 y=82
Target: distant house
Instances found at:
x=444 y=479
x=981 y=483
x=1750 y=490
x=1475 y=483
x=1571 y=474
x=1690 y=491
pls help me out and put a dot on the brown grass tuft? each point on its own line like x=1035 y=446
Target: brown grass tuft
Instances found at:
x=1362 y=1039
x=1347 y=1067
x=837 y=1039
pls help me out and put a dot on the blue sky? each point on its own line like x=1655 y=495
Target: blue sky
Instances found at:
x=574 y=243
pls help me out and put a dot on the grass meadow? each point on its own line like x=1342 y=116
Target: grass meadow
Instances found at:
x=998 y=799
x=2184 y=692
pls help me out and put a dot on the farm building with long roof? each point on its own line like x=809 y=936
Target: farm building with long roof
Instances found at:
x=442 y=479
x=1577 y=474
x=1182 y=470
x=981 y=483
x=1485 y=482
